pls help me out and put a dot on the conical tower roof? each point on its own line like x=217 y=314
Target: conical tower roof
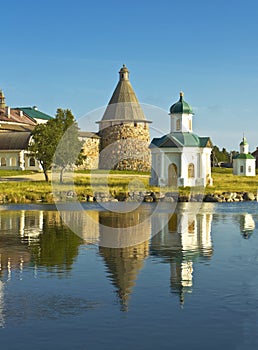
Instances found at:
x=124 y=105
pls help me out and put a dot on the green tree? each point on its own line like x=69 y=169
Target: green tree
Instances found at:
x=44 y=142
x=219 y=156
x=69 y=149
x=57 y=143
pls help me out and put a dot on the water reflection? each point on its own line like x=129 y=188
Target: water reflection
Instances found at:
x=124 y=265
x=185 y=239
x=40 y=240
x=247 y=225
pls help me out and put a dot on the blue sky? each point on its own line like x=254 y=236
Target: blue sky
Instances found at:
x=59 y=53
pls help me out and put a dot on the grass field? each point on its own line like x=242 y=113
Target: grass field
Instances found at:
x=5 y=173
x=224 y=181
x=40 y=191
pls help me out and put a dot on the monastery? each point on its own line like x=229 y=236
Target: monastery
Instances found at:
x=179 y=158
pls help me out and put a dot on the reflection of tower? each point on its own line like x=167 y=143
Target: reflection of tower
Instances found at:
x=121 y=230
x=247 y=225
x=185 y=239
x=124 y=245
x=124 y=264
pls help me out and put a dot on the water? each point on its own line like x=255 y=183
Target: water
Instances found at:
x=187 y=280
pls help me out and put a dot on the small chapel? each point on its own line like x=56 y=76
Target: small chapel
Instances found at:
x=244 y=162
x=181 y=158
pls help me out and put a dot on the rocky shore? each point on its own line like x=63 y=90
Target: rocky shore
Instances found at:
x=149 y=197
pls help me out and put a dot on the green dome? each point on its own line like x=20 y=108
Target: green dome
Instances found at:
x=181 y=107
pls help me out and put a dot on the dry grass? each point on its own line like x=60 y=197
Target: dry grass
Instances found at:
x=40 y=191
x=225 y=181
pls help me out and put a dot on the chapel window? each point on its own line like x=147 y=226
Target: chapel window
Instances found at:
x=178 y=124
x=191 y=170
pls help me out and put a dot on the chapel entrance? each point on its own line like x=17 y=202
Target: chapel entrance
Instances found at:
x=172 y=175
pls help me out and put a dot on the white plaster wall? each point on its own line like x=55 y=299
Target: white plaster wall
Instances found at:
x=22 y=160
x=237 y=163
x=182 y=157
x=184 y=122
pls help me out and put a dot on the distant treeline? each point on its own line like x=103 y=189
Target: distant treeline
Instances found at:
x=222 y=156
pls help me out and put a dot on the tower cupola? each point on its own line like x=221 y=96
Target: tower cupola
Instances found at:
x=244 y=147
x=124 y=73
x=181 y=116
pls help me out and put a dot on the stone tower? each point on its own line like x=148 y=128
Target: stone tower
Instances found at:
x=124 y=130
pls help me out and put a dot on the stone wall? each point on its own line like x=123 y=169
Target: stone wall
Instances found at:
x=91 y=151
x=125 y=146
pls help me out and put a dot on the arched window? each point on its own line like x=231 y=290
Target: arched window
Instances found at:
x=3 y=161
x=191 y=226
x=13 y=161
x=172 y=175
x=178 y=124
x=32 y=161
x=190 y=124
x=191 y=170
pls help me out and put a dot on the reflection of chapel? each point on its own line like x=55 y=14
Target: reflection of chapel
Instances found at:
x=184 y=239
x=181 y=158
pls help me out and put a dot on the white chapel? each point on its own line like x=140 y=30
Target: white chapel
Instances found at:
x=181 y=158
x=244 y=162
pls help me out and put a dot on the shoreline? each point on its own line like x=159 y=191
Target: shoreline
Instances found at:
x=70 y=198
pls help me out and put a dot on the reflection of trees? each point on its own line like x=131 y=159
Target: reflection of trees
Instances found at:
x=37 y=237
x=57 y=246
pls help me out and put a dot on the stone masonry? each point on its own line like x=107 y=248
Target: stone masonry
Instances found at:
x=125 y=146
